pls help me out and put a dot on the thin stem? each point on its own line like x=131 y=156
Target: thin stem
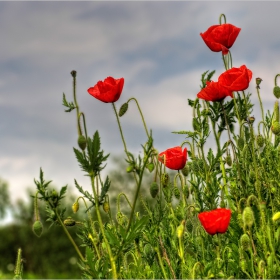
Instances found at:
x=261 y=105
x=74 y=73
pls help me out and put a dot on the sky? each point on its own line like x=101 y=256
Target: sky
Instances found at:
x=155 y=46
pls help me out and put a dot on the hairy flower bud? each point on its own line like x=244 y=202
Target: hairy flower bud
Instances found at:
x=164 y=179
x=37 y=228
x=106 y=207
x=82 y=142
x=185 y=171
x=123 y=109
x=260 y=140
x=248 y=216
x=176 y=192
x=75 y=207
x=245 y=242
x=154 y=188
x=275 y=128
x=69 y=222
x=228 y=160
x=276 y=92
x=240 y=143
x=181 y=229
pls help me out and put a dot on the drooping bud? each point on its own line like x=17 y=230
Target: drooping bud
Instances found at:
x=176 y=192
x=123 y=109
x=245 y=242
x=275 y=128
x=248 y=216
x=154 y=189
x=106 y=207
x=69 y=222
x=228 y=160
x=37 y=228
x=75 y=207
x=181 y=229
x=82 y=142
x=276 y=92
x=164 y=179
x=186 y=191
x=276 y=217
x=260 y=140
x=240 y=143
x=185 y=171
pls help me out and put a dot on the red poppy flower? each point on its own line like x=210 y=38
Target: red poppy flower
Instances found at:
x=214 y=92
x=175 y=158
x=236 y=79
x=220 y=37
x=215 y=221
x=108 y=91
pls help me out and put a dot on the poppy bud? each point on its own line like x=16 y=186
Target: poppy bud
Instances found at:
x=258 y=82
x=243 y=265
x=176 y=192
x=228 y=160
x=276 y=92
x=123 y=109
x=275 y=128
x=240 y=143
x=37 y=228
x=164 y=179
x=82 y=142
x=185 y=171
x=180 y=229
x=69 y=222
x=186 y=191
x=106 y=207
x=130 y=168
x=260 y=140
x=245 y=242
x=276 y=217
x=75 y=207
x=248 y=216
x=154 y=189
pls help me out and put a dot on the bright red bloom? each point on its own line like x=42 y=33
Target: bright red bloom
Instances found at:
x=108 y=91
x=175 y=158
x=236 y=79
x=214 y=92
x=220 y=37
x=215 y=221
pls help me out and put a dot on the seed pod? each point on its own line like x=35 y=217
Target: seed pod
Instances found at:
x=164 y=179
x=176 y=192
x=106 y=207
x=275 y=128
x=245 y=242
x=75 y=207
x=260 y=140
x=37 y=228
x=276 y=92
x=154 y=188
x=248 y=216
x=82 y=142
x=69 y=222
x=123 y=109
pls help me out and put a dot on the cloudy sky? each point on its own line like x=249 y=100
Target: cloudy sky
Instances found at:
x=155 y=46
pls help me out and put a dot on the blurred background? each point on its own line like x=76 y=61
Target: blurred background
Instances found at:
x=155 y=46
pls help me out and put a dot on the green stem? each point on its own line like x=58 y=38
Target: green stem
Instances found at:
x=142 y=117
x=261 y=105
x=74 y=73
x=161 y=263
x=112 y=261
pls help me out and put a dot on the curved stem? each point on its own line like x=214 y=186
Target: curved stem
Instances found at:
x=220 y=18
x=275 y=79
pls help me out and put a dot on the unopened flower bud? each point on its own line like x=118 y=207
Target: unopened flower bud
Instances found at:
x=75 y=207
x=69 y=222
x=154 y=189
x=276 y=217
x=248 y=216
x=150 y=166
x=185 y=171
x=180 y=229
x=123 y=109
x=275 y=128
x=260 y=140
x=243 y=265
x=130 y=168
x=106 y=207
x=82 y=142
x=176 y=192
x=276 y=92
x=164 y=179
x=245 y=242
x=240 y=143
x=37 y=228
x=228 y=160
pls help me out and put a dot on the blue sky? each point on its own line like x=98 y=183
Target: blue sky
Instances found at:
x=155 y=46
